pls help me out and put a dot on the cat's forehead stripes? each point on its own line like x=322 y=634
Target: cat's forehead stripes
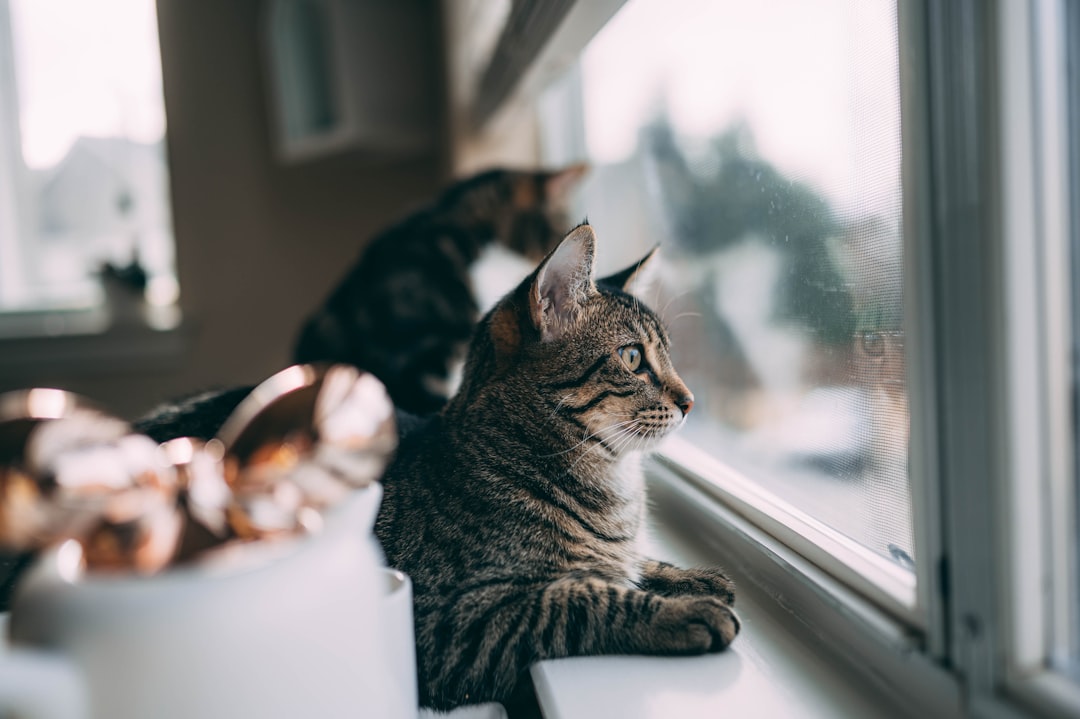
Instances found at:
x=648 y=324
x=583 y=377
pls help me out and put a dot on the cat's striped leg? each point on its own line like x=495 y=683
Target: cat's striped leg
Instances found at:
x=481 y=646
x=672 y=581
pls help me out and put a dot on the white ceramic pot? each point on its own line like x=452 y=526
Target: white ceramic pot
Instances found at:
x=308 y=627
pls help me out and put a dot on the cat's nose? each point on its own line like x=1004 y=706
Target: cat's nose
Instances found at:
x=686 y=403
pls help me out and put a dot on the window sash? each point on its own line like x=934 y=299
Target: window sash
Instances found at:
x=1035 y=224
x=970 y=73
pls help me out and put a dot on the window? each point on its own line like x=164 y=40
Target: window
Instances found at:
x=871 y=215
x=761 y=142
x=83 y=174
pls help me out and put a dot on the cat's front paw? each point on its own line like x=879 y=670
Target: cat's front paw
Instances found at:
x=712 y=582
x=671 y=581
x=696 y=625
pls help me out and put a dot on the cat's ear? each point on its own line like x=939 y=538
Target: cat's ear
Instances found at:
x=559 y=184
x=563 y=283
x=639 y=278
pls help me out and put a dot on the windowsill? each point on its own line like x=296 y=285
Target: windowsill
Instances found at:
x=120 y=344
x=775 y=668
x=767 y=672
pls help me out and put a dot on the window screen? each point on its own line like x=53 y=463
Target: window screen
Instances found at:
x=759 y=143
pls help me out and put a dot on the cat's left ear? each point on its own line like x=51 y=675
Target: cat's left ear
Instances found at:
x=563 y=283
x=639 y=278
x=559 y=184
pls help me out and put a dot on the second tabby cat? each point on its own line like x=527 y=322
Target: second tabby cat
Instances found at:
x=518 y=509
x=406 y=309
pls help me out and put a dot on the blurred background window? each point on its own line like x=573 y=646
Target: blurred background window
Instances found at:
x=84 y=188
x=761 y=142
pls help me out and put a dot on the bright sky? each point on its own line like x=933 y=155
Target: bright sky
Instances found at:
x=816 y=81
x=86 y=67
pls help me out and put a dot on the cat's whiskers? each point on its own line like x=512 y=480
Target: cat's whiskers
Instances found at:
x=559 y=405
x=628 y=429
x=650 y=431
x=644 y=433
x=616 y=431
x=618 y=425
x=633 y=443
x=567 y=451
x=671 y=300
x=627 y=440
x=621 y=430
x=630 y=415
x=679 y=316
x=586 y=453
x=585 y=439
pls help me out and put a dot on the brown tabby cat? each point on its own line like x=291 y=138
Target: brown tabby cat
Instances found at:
x=517 y=510
x=406 y=309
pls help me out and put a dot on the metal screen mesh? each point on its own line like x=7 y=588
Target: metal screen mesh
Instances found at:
x=760 y=142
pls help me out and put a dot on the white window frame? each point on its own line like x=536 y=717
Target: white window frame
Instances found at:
x=1041 y=627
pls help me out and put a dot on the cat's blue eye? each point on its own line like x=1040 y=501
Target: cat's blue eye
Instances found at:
x=632 y=356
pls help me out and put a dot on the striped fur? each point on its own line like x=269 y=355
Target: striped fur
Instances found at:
x=517 y=510
x=406 y=309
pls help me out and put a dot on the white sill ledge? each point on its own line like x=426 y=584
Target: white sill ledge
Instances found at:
x=771 y=670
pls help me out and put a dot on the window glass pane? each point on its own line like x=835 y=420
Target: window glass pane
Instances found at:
x=760 y=142
x=83 y=174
